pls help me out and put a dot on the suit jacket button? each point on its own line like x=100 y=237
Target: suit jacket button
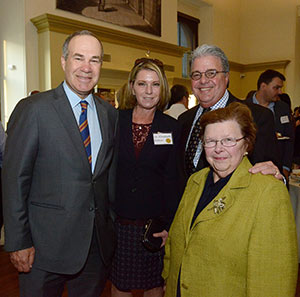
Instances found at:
x=91 y=209
x=133 y=190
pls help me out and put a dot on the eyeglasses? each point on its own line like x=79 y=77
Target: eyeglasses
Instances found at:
x=145 y=60
x=210 y=73
x=227 y=142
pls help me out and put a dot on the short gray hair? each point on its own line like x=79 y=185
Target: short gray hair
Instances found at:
x=210 y=50
x=65 y=48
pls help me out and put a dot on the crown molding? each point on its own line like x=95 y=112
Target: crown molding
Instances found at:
x=258 y=66
x=54 y=23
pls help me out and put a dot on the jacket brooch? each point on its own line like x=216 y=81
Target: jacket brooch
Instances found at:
x=219 y=205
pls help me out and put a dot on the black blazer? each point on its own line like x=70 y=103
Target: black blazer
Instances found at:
x=148 y=186
x=51 y=199
x=266 y=146
x=286 y=147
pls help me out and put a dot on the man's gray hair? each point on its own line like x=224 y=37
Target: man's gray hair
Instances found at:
x=65 y=48
x=210 y=50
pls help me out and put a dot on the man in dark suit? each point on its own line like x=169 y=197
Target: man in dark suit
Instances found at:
x=269 y=87
x=210 y=78
x=58 y=180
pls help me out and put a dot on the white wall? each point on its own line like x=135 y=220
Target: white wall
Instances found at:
x=22 y=42
x=12 y=52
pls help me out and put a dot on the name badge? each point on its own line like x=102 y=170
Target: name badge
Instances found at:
x=284 y=119
x=162 y=138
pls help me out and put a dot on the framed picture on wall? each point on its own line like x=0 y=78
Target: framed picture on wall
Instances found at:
x=143 y=15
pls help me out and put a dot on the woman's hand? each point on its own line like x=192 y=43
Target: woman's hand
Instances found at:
x=163 y=235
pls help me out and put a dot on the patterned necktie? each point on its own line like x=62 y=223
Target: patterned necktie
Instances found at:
x=192 y=146
x=84 y=130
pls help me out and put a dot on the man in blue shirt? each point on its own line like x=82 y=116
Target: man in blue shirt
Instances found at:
x=58 y=180
x=269 y=87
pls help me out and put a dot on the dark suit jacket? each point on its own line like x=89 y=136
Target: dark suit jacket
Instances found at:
x=147 y=187
x=265 y=149
x=286 y=147
x=51 y=199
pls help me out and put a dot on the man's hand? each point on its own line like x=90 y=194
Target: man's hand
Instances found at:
x=286 y=174
x=163 y=235
x=23 y=259
x=267 y=168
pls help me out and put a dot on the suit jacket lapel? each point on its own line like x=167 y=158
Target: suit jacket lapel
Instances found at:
x=239 y=179
x=66 y=115
x=126 y=128
x=103 y=119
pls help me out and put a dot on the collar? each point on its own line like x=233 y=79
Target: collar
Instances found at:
x=255 y=101
x=240 y=177
x=222 y=102
x=75 y=99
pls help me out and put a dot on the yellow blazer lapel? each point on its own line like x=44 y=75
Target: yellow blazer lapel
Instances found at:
x=191 y=198
x=225 y=199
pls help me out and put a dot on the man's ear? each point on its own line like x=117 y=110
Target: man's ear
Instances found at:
x=263 y=85
x=185 y=101
x=63 y=62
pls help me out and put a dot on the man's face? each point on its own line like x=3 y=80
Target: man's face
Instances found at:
x=83 y=64
x=209 y=90
x=272 y=90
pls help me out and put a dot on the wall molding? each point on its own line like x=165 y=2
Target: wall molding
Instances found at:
x=50 y=22
x=258 y=66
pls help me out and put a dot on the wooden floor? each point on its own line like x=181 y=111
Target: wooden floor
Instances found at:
x=9 y=280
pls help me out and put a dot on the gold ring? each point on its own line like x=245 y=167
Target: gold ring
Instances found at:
x=276 y=173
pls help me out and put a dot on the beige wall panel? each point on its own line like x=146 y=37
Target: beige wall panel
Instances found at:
x=227 y=23
x=235 y=86
x=115 y=71
x=268 y=30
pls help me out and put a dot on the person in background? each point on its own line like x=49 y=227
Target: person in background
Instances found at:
x=2 y=144
x=234 y=232
x=120 y=96
x=58 y=180
x=296 y=115
x=179 y=101
x=33 y=92
x=209 y=79
x=250 y=94
x=296 y=157
x=269 y=87
x=147 y=179
x=107 y=96
x=286 y=98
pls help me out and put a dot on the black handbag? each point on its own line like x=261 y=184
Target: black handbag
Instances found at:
x=153 y=226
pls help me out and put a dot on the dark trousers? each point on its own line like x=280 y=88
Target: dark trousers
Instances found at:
x=89 y=282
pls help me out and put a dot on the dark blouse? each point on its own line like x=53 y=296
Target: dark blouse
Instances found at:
x=139 y=136
x=210 y=191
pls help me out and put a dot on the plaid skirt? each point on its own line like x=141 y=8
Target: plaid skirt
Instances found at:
x=133 y=266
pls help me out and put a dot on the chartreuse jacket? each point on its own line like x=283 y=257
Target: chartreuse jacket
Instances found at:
x=242 y=244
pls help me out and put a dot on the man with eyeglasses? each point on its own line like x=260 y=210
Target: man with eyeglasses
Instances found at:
x=210 y=79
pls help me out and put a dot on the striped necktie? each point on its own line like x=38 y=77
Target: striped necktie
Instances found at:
x=84 y=130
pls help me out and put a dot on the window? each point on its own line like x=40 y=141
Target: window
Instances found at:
x=187 y=33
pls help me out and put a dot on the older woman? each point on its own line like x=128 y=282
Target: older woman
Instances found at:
x=146 y=179
x=233 y=234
